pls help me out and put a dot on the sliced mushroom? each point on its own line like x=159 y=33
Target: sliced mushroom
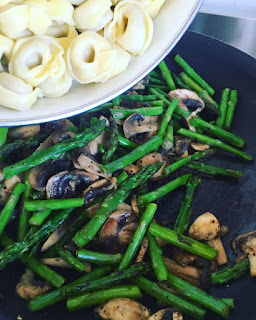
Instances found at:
x=164 y=314
x=123 y=308
x=245 y=245
x=98 y=189
x=54 y=237
x=84 y=162
x=134 y=204
x=29 y=288
x=207 y=227
x=63 y=125
x=40 y=174
x=118 y=230
x=7 y=188
x=141 y=84
x=93 y=145
x=25 y=132
x=131 y=169
x=58 y=262
x=181 y=145
x=143 y=250
x=55 y=138
x=153 y=158
x=64 y=184
x=139 y=128
x=90 y=211
x=199 y=146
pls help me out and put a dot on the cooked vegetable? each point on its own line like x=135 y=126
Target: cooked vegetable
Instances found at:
x=223 y=108
x=166 y=74
x=167 y=117
x=231 y=109
x=98 y=257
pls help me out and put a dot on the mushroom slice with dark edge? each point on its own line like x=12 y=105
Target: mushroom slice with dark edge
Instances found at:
x=207 y=227
x=153 y=158
x=7 y=188
x=164 y=314
x=93 y=146
x=40 y=174
x=55 y=138
x=84 y=162
x=117 y=232
x=64 y=184
x=245 y=245
x=199 y=146
x=134 y=205
x=98 y=189
x=24 y=132
x=63 y=125
x=181 y=145
x=143 y=250
x=55 y=236
x=139 y=128
x=123 y=308
x=29 y=288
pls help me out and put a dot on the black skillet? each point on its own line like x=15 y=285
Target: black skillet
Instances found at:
x=233 y=202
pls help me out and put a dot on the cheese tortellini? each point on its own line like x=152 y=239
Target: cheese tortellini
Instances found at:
x=92 y=59
x=131 y=27
x=46 y=44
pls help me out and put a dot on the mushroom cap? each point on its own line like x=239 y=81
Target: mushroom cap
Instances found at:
x=123 y=308
x=187 y=98
x=139 y=128
x=24 y=132
x=205 y=227
x=153 y=158
x=131 y=169
x=181 y=144
x=245 y=243
x=168 y=313
x=84 y=162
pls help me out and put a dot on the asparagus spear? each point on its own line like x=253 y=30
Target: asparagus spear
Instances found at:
x=3 y=135
x=98 y=257
x=182 y=221
x=212 y=170
x=168 y=298
x=126 y=143
x=71 y=260
x=132 y=97
x=138 y=236
x=191 y=72
x=214 y=142
x=146 y=111
x=231 y=109
x=55 y=151
x=24 y=216
x=112 y=143
x=38 y=268
x=155 y=74
x=11 y=203
x=190 y=82
x=39 y=217
x=197 y=295
x=166 y=74
x=167 y=117
x=16 y=250
x=157 y=259
x=196 y=156
x=56 y=296
x=98 y=297
x=157 y=81
x=158 y=86
x=109 y=204
x=53 y=204
x=231 y=272
x=168 y=138
x=163 y=190
x=108 y=280
x=183 y=242
x=223 y=108
x=100 y=108
x=179 y=82
x=152 y=144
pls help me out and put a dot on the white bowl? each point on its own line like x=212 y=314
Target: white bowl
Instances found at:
x=173 y=20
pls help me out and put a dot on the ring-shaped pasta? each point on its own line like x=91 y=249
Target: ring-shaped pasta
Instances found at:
x=152 y=6
x=37 y=58
x=16 y=94
x=6 y=46
x=63 y=34
x=5 y=2
x=89 y=14
x=131 y=27
x=60 y=11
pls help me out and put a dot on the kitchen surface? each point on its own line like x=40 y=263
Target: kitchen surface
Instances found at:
x=231 y=21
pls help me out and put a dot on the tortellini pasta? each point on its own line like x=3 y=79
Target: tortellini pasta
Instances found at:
x=89 y=14
x=131 y=27
x=152 y=6
x=92 y=59
x=46 y=44
x=15 y=93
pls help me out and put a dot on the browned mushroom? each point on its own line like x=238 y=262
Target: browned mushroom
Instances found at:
x=58 y=262
x=131 y=169
x=84 y=162
x=123 y=308
x=207 y=227
x=93 y=146
x=7 y=188
x=167 y=314
x=29 y=288
x=245 y=245
x=54 y=237
x=134 y=205
x=153 y=158
x=98 y=189
x=139 y=128
x=117 y=231
x=181 y=145
x=24 y=132
x=199 y=146
x=143 y=250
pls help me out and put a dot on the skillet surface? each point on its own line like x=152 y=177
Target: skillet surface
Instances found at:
x=233 y=202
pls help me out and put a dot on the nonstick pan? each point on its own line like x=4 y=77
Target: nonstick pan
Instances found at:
x=233 y=202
